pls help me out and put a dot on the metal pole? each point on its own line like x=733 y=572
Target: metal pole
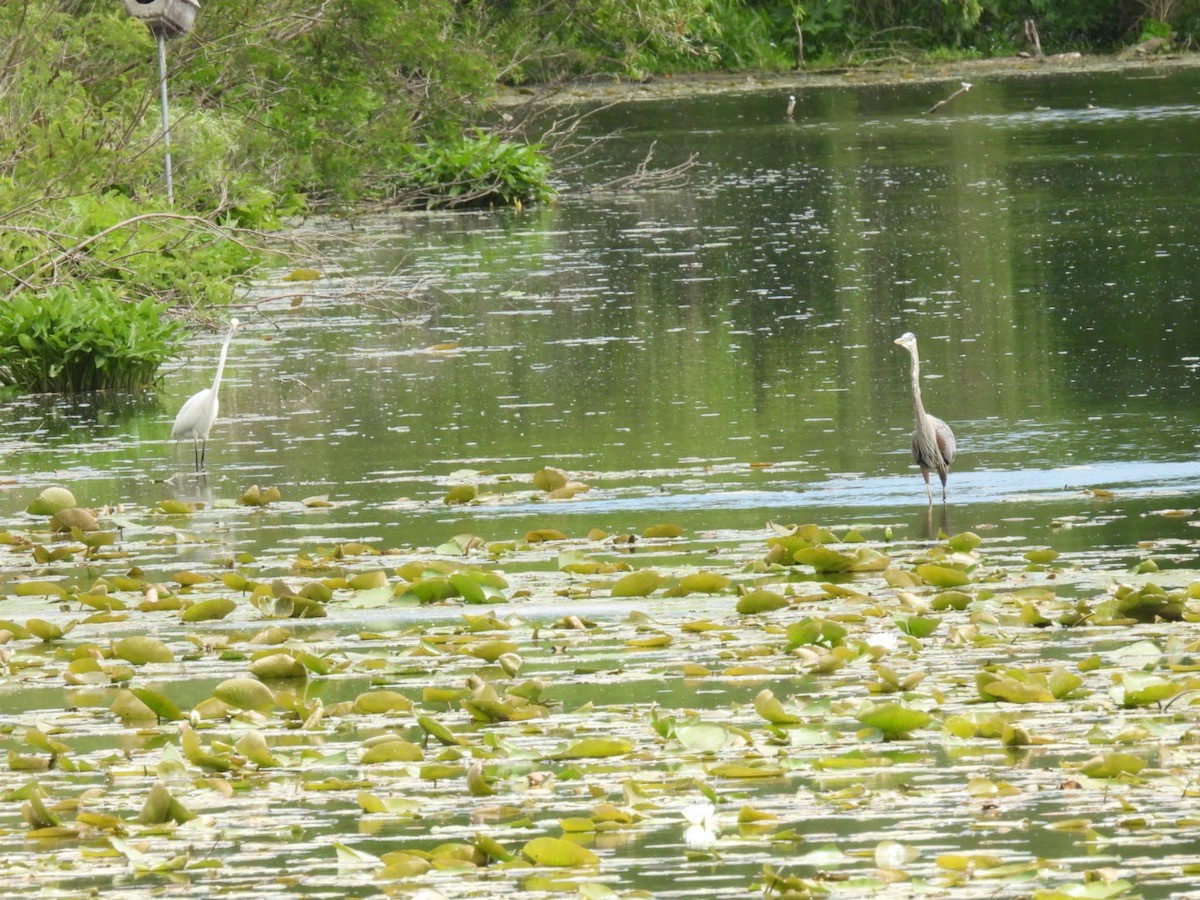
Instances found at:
x=166 y=128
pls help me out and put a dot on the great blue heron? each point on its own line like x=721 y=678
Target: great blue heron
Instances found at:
x=196 y=417
x=932 y=439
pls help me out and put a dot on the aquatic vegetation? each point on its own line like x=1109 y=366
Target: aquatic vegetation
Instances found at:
x=76 y=337
x=698 y=708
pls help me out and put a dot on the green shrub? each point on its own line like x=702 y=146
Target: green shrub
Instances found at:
x=90 y=238
x=77 y=338
x=478 y=170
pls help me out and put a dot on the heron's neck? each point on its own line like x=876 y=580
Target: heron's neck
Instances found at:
x=221 y=362
x=918 y=407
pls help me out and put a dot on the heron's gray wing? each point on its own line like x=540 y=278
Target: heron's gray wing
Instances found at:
x=945 y=440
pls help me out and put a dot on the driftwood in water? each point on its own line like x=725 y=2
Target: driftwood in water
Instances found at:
x=966 y=86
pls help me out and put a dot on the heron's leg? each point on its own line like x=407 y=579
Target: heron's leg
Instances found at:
x=928 y=493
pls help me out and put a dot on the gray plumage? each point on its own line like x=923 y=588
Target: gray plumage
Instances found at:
x=932 y=439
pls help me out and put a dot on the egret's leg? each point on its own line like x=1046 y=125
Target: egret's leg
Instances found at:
x=196 y=455
x=203 y=450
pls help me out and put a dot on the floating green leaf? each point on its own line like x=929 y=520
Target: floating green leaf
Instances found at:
x=767 y=705
x=381 y=702
x=943 y=576
x=702 y=737
x=596 y=748
x=663 y=530
x=549 y=479
x=245 y=693
x=964 y=542
x=892 y=718
x=548 y=851
x=50 y=501
x=761 y=601
x=141 y=650
x=1113 y=764
x=208 y=610
x=637 y=584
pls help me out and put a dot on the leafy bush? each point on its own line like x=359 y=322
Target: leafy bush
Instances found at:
x=478 y=170
x=90 y=238
x=77 y=338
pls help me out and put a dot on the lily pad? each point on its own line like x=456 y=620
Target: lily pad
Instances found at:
x=943 y=576
x=767 y=705
x=549 y=479
x=245 y=693
x=558 y=852
x=50 y=501
x=596 y=748
x=641 y=583
x=663 y=530
x=208 y=610
x=761 y=601
x=892 y=718
x=142 y=650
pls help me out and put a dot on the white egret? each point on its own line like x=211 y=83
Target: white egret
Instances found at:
x=932 y=439
x=196 y=417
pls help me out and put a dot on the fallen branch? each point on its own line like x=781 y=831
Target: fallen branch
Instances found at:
x=643 y=176
x=966 y=86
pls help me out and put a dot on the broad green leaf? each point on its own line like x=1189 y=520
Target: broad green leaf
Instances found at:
x=395 y=749
x=663 y=530
x=964 y=542
x=1144 y=689
x=1041 y=556
x=549 y=479
x=548 y=851
x=142 y=650
x=245 y=693
x=1112 y=765
x=701 y=583
x=641 y=583
x=745 y=770
x=208 y=610
x=943 y=576
x=381 y=703
x=50 y=501
x=461 y=493
x=760 y=601
x=253 y=745
x=596 y=748
x=767 y=705
x=892 y=718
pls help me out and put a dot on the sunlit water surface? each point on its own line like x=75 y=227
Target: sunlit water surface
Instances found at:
x=1036 y=236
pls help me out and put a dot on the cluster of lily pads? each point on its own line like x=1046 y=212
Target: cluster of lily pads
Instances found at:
x=795 y=713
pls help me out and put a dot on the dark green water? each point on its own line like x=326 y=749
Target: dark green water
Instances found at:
x=1037 y=235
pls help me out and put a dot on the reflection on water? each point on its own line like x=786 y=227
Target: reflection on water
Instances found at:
x=723 y=353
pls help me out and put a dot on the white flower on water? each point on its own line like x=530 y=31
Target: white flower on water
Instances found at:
x=884 y=640
x=702 y=824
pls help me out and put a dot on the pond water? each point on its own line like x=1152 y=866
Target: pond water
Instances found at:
x=1035 y=234
x=716 y=356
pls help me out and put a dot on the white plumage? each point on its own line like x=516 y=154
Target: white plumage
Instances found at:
x=195 y=419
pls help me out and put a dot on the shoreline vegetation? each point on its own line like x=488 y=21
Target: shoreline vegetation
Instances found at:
x=690 y=84
x=285 y=108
